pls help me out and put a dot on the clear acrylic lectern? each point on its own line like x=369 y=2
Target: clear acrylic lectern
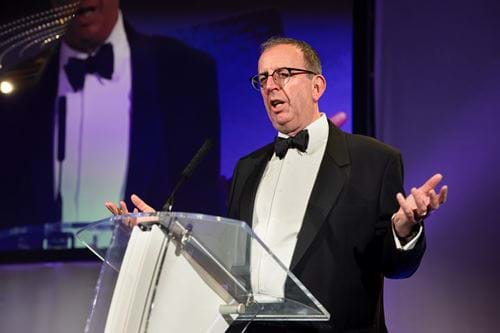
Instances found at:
x=181 y=272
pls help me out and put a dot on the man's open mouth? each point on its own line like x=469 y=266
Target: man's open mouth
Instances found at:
x=276 y=102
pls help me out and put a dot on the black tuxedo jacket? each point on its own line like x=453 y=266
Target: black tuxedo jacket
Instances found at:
x=345 y=246
x=174 y=109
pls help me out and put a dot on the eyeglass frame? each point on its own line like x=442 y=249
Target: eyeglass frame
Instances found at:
x=258 y=84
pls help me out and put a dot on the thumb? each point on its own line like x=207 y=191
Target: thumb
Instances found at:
x=139 y=203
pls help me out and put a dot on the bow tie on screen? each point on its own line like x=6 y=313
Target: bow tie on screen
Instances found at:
x=101 y=63
x=300 y=141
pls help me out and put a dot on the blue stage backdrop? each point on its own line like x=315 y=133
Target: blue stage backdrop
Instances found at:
x=438 y=97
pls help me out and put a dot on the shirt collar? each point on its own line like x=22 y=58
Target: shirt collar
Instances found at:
x=318 y=133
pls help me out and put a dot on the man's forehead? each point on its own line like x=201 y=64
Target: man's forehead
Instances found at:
x=281 y=55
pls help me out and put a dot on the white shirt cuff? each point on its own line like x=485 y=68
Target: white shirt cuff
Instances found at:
x=408 y=246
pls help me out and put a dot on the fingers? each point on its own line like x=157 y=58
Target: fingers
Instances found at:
x=434 y=200
x=339 y=118
x=405 y=207
x=112 y=208
x=443 y=194
x=141 y=205
x=123 y=208
x=130 y=222
x=431 y=183
x=415 y=207
x=115 y=210
x=421 y=202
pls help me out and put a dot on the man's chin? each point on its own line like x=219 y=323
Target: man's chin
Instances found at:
x=284 y=128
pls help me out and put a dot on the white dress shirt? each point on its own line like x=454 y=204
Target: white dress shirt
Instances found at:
x=280 y=205
x=97 y=134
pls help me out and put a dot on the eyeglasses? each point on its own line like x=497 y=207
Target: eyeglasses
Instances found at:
x=281 y=76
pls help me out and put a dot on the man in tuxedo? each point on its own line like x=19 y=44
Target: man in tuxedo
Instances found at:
x=115 y=112
x=329 y=204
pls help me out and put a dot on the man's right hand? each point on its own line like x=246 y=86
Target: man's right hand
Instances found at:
x=140 y=206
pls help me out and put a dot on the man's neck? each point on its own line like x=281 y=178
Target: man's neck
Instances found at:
x=296 y=131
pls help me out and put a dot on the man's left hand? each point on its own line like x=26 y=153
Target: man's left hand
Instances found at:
x=418 y=205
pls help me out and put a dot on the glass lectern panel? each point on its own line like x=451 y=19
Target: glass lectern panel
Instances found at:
x=217 y=252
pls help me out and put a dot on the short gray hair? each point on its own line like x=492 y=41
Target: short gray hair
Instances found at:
x=311 y=56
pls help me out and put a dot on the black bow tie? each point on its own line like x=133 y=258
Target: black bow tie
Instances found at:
x=299 y=141
x=101 y=63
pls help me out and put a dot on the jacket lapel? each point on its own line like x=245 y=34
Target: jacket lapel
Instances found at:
x=332 y=175
x=145 y=120
x=252 y=184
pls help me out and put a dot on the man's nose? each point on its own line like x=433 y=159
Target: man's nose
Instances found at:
x=270 y=84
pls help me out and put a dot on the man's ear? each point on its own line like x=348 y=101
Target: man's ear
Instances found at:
x=319 y=87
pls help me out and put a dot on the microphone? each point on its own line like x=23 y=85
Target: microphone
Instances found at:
x=188 y=171
x=61 y=129
x=61 y=149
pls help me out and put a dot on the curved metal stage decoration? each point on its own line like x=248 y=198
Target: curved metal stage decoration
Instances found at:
x=27 y=39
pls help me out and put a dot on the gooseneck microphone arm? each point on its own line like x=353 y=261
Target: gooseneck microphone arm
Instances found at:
x=188 y=171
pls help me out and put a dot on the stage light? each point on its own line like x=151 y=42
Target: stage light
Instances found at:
x=6 y=87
